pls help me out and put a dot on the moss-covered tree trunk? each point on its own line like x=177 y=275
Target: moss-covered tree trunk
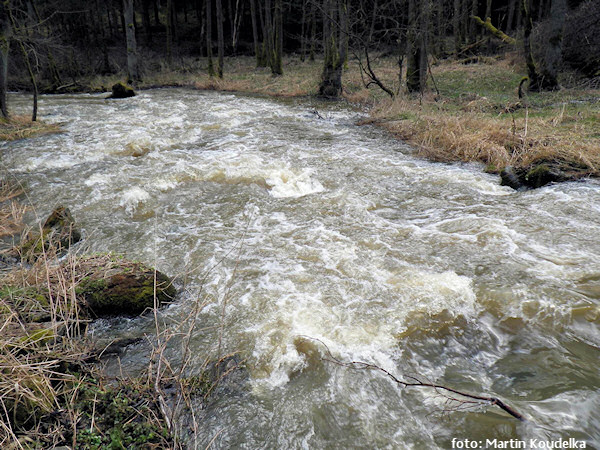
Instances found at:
x=133 y=73
x=331 y=77
x=532 y=73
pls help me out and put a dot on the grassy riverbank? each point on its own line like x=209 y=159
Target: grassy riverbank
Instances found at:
x=21 y=127
x=471 y=111
x=53 y=391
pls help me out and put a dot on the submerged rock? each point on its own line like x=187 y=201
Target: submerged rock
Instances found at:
x=57 y=234
x=121 y=90
x=119 y=287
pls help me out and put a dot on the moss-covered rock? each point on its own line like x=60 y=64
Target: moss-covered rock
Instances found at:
x=121 y=287
x=58 y=233
x=121 y=90
x=542 y=174
x=532 y=177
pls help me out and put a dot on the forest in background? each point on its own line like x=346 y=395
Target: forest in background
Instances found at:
x=445 y=76
x=54 y=44
x=460 y=80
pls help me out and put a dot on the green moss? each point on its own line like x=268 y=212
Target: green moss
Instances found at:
x=39 y=337
x=31 y=303
x=125 y=416
x=121 y=90
x=130 y=291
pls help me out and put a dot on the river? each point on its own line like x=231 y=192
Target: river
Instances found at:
x=279 y=224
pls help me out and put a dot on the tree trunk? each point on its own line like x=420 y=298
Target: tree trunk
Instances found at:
x=146 y=21
x=413 y=54
x=313 y=31
x=237 y=20
x=534 y=81
x=133 y=73
x=220 y=37
x=303 y=32
x=456 y=27
x=276 y=63
x=331 y=77
x=553 y=55
x=511 y=16
x=255 y=32
x=472 y=28
x=343 y=32
x=5 y=35
x=424 y=42
x=209 y=53
x=264 y=51
x=169 y=31
x=155 y=7
x=268 y=34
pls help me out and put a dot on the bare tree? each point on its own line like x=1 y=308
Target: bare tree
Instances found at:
x=276 y=60
x=5 y=36
x=221 y=39
x=257 y=49
x=20 y=36
x=209 y=53
x=133 y=73
x=331 y=76
x=553 y=55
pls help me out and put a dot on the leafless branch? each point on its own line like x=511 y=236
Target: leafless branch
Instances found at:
x=463 y=399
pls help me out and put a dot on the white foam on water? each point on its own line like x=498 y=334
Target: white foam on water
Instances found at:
x=354 y=329
x=133 y=198
x=287 y=183
x=97 y=178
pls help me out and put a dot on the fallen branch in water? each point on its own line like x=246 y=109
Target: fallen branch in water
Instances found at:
x=468 y=399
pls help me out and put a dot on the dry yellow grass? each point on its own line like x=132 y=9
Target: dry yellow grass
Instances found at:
x=478 y=117
x=20 y=127
x=495 y=141
x=11 y=211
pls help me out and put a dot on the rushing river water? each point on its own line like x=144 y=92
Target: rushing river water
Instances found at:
x=281 y=225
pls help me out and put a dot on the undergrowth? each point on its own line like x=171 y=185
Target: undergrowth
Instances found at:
x=53 y=391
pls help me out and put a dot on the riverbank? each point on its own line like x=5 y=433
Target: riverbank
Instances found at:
x=53 y=390
x=21 y=127
x=471 y=112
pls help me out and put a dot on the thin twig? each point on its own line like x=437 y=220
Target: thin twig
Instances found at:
x=418 y=383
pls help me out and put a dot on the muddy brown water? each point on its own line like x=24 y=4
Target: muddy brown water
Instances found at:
x=284 y=225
